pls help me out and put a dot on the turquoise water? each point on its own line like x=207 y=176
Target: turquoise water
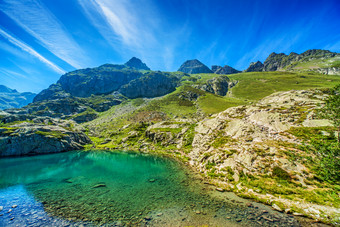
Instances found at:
x=101 y=188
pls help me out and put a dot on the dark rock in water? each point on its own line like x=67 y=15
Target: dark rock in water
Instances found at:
x=101 y=185
x=136 y=63
x=194 y=67
x=224 y=70
x=11 y=98
x=148 y=218
x=69 y=180
x=255 y=67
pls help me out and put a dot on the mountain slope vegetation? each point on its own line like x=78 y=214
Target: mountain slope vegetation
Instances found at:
x=259 y=134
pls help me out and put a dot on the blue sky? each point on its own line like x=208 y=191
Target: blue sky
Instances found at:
x=41 y=40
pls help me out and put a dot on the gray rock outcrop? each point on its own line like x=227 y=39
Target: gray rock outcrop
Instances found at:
x=329 y=71
x=217 y=85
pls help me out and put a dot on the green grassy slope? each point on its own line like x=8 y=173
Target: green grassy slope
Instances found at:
x=257 y=85
x=251 y=87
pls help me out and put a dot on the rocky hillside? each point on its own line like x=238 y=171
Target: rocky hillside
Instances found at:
x=81 y=94
x=194 y=67
x=40 y=135
x=323 y=61
x=257 y=151
x=224 y=70
x=11 y=98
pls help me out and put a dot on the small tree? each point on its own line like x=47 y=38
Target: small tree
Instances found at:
x=331 y=109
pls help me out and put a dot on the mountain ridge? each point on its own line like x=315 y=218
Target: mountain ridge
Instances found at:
x=11 y=98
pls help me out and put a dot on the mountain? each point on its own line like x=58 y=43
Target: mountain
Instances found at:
x=136 y=64
x=224 y=70
x=80 y=94
x=257 y=134
x=255 y=67
x=11 y=98
x=322 y=61
x=194 y=67
x=101 y=80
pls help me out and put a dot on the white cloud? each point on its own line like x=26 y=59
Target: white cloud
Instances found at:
x=39 y=22
x=13 y=74
x=24 y=47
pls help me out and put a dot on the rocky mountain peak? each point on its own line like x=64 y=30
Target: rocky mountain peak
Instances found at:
x=193 y=67
x=224 y=70
x=255 y=67
x=137 y=64
x=4 y=89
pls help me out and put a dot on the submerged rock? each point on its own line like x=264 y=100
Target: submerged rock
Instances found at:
x=101 y=185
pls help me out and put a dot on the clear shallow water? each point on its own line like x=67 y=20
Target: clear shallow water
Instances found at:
x=100 y=188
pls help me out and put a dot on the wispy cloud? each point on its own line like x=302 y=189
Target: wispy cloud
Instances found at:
x=24 y=47
x=135 y=27
x=13 y=74
x=39 y=22
x=119 y=21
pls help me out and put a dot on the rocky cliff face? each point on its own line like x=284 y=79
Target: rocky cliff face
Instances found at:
x=109 y=78
x=255 y=67
x=152 y=84
x=224 y=70
x=40 y=136
x=194 y=67
x=11 y=98
x=281 y=61
x=80 y=93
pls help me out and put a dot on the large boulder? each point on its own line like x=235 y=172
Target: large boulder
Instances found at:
x=194 y=67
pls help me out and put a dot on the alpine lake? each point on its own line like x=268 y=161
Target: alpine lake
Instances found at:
x=99 y=188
